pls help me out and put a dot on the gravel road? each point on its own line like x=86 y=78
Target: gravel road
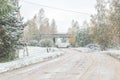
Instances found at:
x=73 y=65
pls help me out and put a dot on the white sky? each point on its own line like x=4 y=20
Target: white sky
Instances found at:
x=63 y=19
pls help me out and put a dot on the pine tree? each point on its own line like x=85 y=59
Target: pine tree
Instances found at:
x=5 y=7
x=10 y=33
x=83 y=35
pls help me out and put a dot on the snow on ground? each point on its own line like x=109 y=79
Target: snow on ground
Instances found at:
x=112 y=52
x=36 y=54
x=83 y=49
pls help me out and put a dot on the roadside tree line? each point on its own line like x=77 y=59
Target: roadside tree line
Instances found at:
x=103 y=28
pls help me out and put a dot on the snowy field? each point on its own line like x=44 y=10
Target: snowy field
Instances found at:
x=36 y=54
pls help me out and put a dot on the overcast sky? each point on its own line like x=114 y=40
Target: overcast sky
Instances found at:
x=63 y=19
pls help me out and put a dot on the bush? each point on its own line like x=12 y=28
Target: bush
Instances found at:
x=83 y=37
x=33 y=43
x=94 y=47
x=46 y=43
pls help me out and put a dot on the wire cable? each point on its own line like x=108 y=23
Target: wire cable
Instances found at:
x=65 y=10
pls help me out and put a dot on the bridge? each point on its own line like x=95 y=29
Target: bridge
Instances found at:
x=54 y=35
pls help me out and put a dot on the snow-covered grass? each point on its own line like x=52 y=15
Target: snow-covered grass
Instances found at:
x=113 y=53
x=36 y=54
x=84 y=49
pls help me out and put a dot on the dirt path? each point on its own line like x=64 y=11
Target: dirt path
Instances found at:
x=71 y=66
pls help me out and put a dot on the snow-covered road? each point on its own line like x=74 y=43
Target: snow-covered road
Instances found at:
x=73 y=65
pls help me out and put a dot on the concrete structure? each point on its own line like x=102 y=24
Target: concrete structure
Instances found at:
x=54 y=35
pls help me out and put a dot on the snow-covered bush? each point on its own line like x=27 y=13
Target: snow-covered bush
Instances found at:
x=32 y=43
x=114 y=53
x=94 y=47
x=46 y=43
x=83 y=37
x=114 y=45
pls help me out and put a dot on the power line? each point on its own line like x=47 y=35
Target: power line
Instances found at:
x=60 y=9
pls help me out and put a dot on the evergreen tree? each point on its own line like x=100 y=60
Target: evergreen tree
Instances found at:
x=11 y=29
x=83 y=35
x=5 y=7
